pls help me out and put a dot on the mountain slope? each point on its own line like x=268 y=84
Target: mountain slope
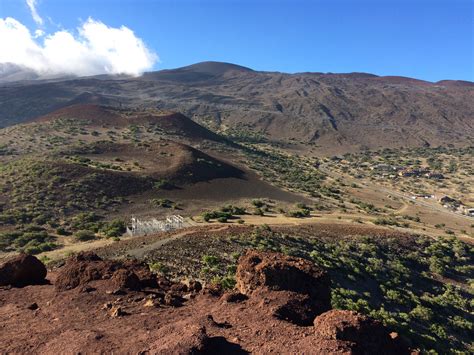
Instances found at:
x=338 y=112
x=93 y=115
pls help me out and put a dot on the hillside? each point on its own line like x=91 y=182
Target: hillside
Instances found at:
x=328 y=289
x=335 y=112
x=267 y=213
x=66 y=171
x=94 y=115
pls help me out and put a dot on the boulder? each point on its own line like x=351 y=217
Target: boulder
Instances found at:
x=295 y=308
x=125 y=279
x=234 y=297
x=278 y=272
x=22 y=270
x=364 y=334
x=147 y=278
x=185 y=340
x=79 y=270
x=293 y=289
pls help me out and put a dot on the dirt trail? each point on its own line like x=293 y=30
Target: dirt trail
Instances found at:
x=75 y=248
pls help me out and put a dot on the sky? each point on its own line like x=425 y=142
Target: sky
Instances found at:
x=425 y=39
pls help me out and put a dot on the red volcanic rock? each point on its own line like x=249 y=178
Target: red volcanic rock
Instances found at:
x=189 y=339
x=279 y=272
x=234 y=297
x=295 y=308
x=192 y=336
x=125 y=279
x=22 y=270
x=146 y=277
x=294 y=288
x=366 y=335
x=79 y=270
x=165 y=320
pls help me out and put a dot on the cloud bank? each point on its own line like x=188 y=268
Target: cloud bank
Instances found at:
x=94 y=48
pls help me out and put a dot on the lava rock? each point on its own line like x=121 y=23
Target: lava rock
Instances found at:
x=22 y=270
x=79 y=270
x=234 y=297
x=278 y=272
x=367 y=335
x=125 y=279
x=293 y=289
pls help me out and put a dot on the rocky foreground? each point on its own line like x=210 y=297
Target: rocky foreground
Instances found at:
x=281 y=304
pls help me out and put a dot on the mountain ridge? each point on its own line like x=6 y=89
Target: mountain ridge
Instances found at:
x=337 y=112
x=10 y=72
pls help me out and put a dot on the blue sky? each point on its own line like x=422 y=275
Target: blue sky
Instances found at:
x=431 y=40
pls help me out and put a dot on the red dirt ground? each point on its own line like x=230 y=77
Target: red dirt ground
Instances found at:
x=96 y=317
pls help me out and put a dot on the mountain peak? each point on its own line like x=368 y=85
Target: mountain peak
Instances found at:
x=196 y=72
x=215 y=68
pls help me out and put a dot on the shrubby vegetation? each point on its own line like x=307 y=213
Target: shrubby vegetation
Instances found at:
x=36 y=188
x=163 y=202
x=219 y=271
x=30 y=239
x=420 y=287
x=225 y=213
x=453 y=167
x=35 y=238
x=245 y=135
x=53 y=197
x=302 y=211
x=289 y=171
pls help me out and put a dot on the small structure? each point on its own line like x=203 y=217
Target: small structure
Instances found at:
x=144 y=227
x=446 y=200
x=452 y=204
x=434 y=176
x=425 y=196
x=413 y=172
x=384 y=167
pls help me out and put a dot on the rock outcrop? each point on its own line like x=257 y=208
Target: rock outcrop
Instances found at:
x=22 y=270
x=85 y=267
x=279 y=272
x=281 y=305
x=187 y=339
x=295 y=289
x=359 y=333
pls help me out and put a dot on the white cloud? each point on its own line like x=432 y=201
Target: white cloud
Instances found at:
x=36 y=17
x=38 y=33
x=94 y=48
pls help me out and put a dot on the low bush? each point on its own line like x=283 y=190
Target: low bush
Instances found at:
x=84 y=235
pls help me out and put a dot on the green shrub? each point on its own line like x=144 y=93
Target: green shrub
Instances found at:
x=114 y=228
x=210 y=260
x=163 y=184
x=300 y=213
x=158 y=267
x=258 y=203
x=162 y=202
x=227 y=282
x=84 y=235
x=62 y=231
